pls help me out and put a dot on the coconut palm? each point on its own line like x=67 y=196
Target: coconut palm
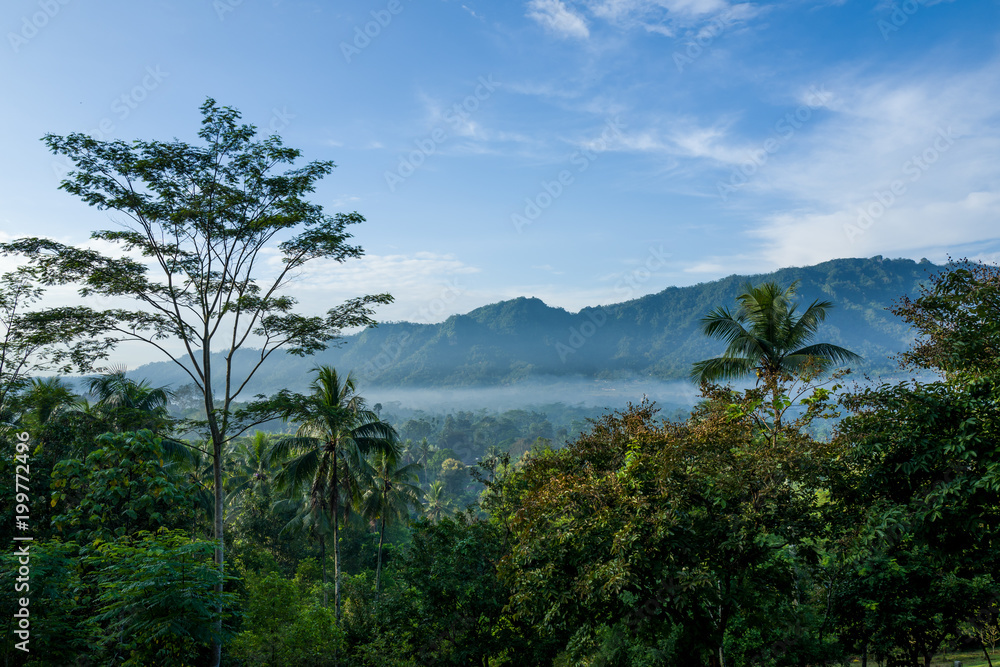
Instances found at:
x=767 y=338
x=251 y=469
x=335 y=434
x=309 y=518
x=127 y=405
x=390 y=498
x=45 y=397
x=423 y=451
x=437 y=506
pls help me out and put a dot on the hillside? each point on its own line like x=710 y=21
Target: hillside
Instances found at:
x=654 y=337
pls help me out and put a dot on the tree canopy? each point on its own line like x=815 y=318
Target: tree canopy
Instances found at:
x=766 y=337
x=198 y=227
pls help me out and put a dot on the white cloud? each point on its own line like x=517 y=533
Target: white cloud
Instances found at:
x=473 y=13
x=427 y=286
x=899 y=229
x=555 y=16
x=931 y=136
x=666 y=17
x=693 y=7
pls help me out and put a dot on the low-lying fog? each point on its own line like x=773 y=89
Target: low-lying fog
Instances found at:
x=569 y=391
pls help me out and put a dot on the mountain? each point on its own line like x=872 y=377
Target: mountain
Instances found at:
x=655 y=337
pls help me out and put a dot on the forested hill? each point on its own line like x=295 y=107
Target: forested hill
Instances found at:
x=656 y=336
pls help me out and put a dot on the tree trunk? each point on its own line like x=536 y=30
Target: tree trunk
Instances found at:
x=336 y=539
x=219 y=525
x=218 y=437
x=336 y=548
x=322 y=555
x=987 y=654
x=378 y=569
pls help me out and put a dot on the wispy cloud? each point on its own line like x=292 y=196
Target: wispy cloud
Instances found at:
x=669 y=17
x=900 y=164
x=556 y=17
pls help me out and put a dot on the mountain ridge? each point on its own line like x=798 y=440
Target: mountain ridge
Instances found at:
x=654 y=336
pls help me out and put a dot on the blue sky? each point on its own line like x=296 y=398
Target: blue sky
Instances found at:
x=580 y=151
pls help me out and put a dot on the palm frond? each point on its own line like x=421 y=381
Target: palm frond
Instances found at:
x=720 y=368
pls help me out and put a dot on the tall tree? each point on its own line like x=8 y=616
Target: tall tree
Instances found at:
x=767 y=338
x=335 y=433
x=206 y=220
x=390 y=498
x=438 y=506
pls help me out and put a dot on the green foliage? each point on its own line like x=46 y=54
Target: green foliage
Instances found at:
x=676 y=525
x=765 y=337
x=60 y=605
x=732 y=534
x=118 y=489
x=157 y=598
x=956 y=316
x=922 y=555
x=285 y=625
x=453 y=476
x=124 y=404
x=144 y=599
x=444 y=604
x=434 y=463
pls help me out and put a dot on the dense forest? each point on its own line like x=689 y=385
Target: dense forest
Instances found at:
x=798 y=522
x=727 y=536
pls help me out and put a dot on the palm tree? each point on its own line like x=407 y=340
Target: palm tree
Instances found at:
x=424 y=450
x=47 y=397
x=251 y=469
x=766 y=338
x=128 y=405
x=335 y=433
x=438 y=506
x=309 y=518
x=390 y=498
